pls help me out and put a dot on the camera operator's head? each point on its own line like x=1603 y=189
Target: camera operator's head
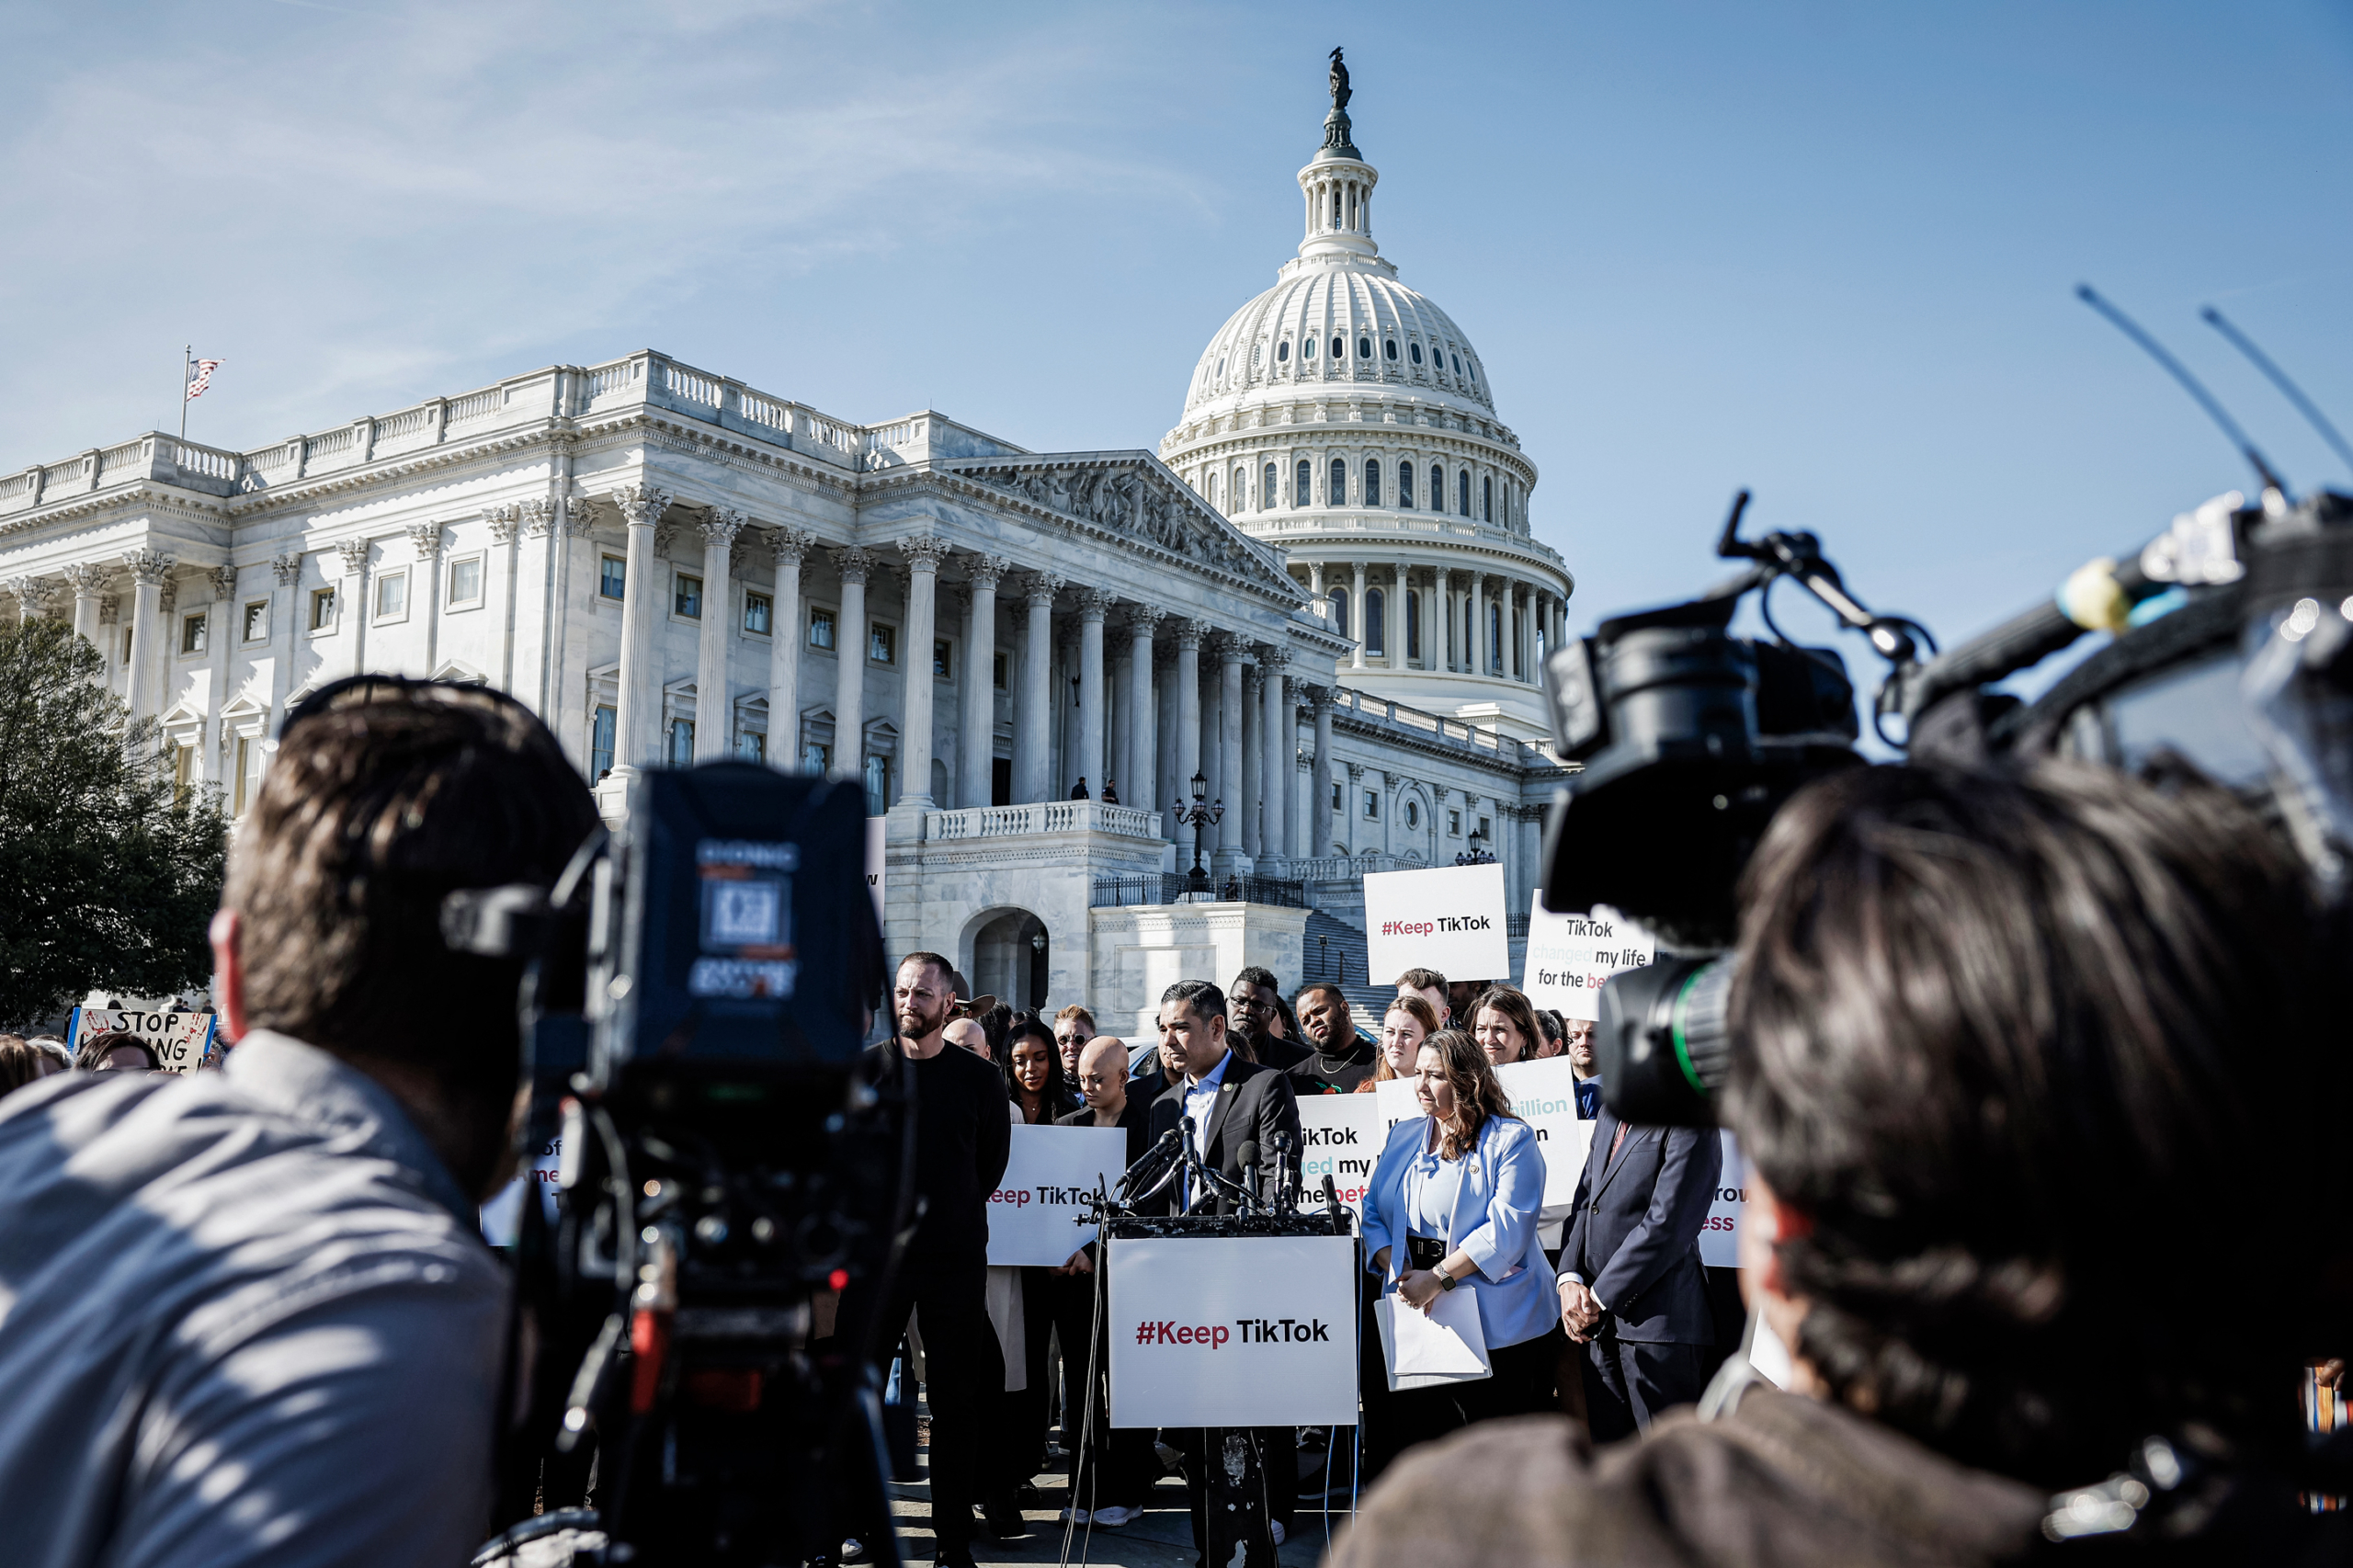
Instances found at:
x=385 y=796
x=2018 y=1061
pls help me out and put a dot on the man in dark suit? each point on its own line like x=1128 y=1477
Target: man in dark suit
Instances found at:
x=1232 y=1102
x=1632 y=1289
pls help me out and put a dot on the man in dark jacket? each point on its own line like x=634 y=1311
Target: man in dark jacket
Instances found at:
x=1229 y=1103
x=1632 y=1289
x=962 y=1138
x=1338 y=1058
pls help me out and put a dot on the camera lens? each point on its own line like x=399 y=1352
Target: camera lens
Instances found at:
x=1661 y=1044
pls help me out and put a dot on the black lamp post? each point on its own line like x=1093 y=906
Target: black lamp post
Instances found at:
x=1202 y=814
x=1478 y=855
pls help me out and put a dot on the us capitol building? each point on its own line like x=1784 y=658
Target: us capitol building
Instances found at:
x=1322 y=594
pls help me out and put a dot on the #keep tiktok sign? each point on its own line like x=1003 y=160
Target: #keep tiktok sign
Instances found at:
x=1234 y=1331
x=1448 y=918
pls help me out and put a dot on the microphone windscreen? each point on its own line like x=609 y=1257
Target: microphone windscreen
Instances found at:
x=1248 y=1155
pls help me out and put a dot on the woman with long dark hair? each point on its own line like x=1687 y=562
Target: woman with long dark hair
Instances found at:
x=1453 y=1204
x=1504 y=1023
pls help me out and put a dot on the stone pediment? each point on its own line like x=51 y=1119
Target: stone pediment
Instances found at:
x=1133 y=495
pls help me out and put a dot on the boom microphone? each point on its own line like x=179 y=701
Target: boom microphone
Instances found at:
x=1248 y=1155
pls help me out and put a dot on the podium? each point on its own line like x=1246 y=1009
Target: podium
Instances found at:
x=1229 y=1323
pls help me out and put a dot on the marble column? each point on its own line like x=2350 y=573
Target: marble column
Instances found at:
x=1141 y=772
x=1508 y=602
x=506 y=554
x=1230 y=651
x=976 y=731
x=1278 y=754
x=285 y=635
x=1479 y=665
x=1033 y=763
x=791 y=547
x=425 y=586
x=1188 y=681
x=1092 y=762
x=638 y=682
x=1318 y=822
x=1440 y=653
x=219 y=636
x=1357 y=618
x=849 y=664
x=88 y=580
x=1252 y=799
x=1396 y=607
x=714 y=694
x=148 y=571
x=1166 y=780
x=924 y=553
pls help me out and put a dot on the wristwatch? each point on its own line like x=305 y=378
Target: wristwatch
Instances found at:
x=1445 y=1281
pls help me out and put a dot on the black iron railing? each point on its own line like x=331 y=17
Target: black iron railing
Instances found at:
x=1178 y=887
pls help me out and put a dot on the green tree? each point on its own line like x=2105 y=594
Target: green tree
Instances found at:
x=108 y=871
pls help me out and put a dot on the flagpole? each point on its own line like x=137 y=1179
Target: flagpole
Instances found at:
x=185 y=354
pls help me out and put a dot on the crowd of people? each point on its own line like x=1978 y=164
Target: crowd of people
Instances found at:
x=1605 y=1315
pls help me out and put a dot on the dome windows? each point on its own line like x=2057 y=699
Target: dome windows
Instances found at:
x=1414 y=351
x=1339 y=348
x=1405 y=485
x=1221 y=367
x=1307 y=349
x=1267 y=490
x=1303 y=484
x=1282 y=352
x=1437 y=488
x=1457 y=362
x=1389 y=347
x=1340 y=481
x=1373 y=482
x=1364 y=348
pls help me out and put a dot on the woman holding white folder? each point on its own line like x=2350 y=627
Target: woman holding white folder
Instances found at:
x=1453 y=1205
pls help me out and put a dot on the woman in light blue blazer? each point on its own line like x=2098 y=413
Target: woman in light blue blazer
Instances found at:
x=1454 y=1204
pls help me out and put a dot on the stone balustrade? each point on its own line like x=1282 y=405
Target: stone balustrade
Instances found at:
x=1041 y=817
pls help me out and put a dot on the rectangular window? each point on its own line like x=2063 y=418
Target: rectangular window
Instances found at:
x=821 y=629
x=1336 y=803
x=613 y=576
x=816 y=757
x=391 y=595
x=249 y=761
x=1486 y=833
x=682 y=743
x=686 y=596
x=1453 y=823
x=257 y=621
x=322 y=609
x=183 y=767
x=465 y=581
x=126 y=645
x=878 y=784
x=882 y=643
x=1004 y=673
x=1372 y=805
x=943 y=660
x=192 y=632
x=601 y=731
x=759 y=613
x=751 y=745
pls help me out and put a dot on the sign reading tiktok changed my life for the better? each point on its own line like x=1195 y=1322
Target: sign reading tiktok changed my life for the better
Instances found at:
x=1571 y=956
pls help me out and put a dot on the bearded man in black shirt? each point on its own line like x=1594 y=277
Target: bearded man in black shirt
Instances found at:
x=962 y=1136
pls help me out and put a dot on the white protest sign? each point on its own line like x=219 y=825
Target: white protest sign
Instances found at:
x=874 y=858
x=1241 y=1331
x=1448 y=918
x=1569 y=956
x=1049 y=1177
x=1720 y=1232
x=1542 y=1094
x=502 y=1217
x=1340 y=1136
x=181 y=1041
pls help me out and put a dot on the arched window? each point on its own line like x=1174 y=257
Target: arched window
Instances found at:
x=1457 y=362
x=1339 y=348
x=1339 y=495
x=1307 y=350
x=1413 y=623
x=1267 y=490
x=1494 y=635
x=1212 y=490
x=1373 y=482
x=1304 y=489
x=1405 y=484
x=1282 y=352
x=1414 y=351
x=1364 y=348
x=1462 y=490
x=1437 y=488
x=1389 y=347
x=1486 y=498
x=1239 y=500
x=1339 y=597
x=1375 y=603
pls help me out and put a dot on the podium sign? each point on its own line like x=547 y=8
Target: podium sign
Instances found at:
x=1234 y=1331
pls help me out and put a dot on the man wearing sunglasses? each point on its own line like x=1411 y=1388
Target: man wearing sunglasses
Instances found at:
x=248 y=1315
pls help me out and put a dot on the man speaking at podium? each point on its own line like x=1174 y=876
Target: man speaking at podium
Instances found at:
x=1232 y=1106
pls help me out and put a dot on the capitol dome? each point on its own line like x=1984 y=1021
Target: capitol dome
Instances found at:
x=1345 y=418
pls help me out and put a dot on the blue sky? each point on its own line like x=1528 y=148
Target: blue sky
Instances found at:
x=1823 y=250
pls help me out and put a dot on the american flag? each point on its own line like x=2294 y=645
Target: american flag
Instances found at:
x=200 y=376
